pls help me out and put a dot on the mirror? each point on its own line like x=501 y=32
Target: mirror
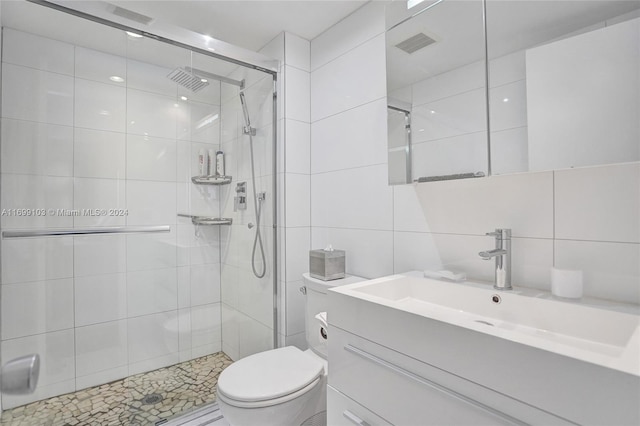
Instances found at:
x=564 y=86
x=436 y=75
x=564 y=83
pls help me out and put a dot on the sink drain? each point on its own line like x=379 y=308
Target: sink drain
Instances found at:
x=151 y=399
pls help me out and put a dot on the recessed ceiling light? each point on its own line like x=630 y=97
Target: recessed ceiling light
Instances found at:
x=134 y=35
x=505 y=100
x=204 y=80
x=116 y=78
x=184 y=98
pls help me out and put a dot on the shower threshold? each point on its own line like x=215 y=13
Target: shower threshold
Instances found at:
x=144 y=399
x=209 y=415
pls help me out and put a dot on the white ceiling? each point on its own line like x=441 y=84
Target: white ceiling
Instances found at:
x=248 y=24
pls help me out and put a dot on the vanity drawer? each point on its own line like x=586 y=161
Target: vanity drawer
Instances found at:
x=343 y=411
x=405 y=391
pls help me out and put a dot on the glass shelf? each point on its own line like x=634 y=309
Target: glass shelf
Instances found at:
x=207 y=220
x=204 y=220
x=211 y=180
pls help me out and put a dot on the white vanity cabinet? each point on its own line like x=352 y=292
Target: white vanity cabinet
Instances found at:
x=391 y=366
x=397 y=389
x=346 y=412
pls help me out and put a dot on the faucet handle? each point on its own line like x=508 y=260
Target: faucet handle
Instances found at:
x=500 y=233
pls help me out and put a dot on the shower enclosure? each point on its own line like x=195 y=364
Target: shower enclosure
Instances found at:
x=120 y=254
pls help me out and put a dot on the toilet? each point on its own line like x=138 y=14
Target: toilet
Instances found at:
x=284 y=386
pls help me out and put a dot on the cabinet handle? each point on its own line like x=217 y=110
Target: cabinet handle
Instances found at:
x=354 y=419
x=426 y=382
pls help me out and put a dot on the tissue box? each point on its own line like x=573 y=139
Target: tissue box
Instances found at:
x=327 y=264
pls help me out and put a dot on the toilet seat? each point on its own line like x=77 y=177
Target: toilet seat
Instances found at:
x=269 y=378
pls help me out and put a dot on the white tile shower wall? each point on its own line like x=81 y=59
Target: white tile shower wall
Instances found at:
x=247 y=300
x=580 y=218
x=293 y=166
x=102 y=308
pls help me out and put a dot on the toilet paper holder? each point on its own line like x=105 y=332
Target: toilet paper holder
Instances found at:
x=322 y=319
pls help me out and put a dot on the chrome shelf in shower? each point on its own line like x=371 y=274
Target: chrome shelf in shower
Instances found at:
x=207 y=220
x=211 y=180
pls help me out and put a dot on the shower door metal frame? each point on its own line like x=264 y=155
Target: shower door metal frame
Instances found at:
x=97 y=11
x=407 y=140
x=208 y=46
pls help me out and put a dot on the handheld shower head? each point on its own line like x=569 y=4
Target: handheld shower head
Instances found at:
x=257 y=241
x=247 y=129
x=245 y=110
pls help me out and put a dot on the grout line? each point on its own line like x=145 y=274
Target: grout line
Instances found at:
x=553 y=216
x=431 y=101
x=448 y=138
x=297 y=121
x=598 y=241
x=348 y=168
x=393 y=229
x=297 y=68
x=47 y=71
x=349 y=109
x=346 y=52
x=73 y=204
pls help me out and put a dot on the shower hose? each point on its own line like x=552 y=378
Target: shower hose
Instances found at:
x=257 y=241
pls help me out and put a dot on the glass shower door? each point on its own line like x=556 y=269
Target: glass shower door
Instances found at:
x=122 y=267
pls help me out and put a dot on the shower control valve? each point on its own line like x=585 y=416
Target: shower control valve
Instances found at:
x=240 y=200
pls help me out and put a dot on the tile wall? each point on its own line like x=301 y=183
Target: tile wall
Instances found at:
x=293 y=164
x=352 y=205
x=578 y=218
x=247 y=301
x=99 y=308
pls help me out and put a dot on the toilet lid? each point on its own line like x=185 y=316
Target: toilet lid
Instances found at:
x=268 y=375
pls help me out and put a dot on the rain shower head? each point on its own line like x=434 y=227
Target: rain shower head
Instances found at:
x=187 y=79
x=195 y=79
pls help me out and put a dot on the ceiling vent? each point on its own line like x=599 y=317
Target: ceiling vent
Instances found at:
x=415 y=43
x=131 y=15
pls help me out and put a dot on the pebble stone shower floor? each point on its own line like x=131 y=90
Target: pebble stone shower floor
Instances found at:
x=139 y=400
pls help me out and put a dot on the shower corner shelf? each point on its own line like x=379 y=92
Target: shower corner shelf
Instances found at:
x=211 y=180
x=207 y=220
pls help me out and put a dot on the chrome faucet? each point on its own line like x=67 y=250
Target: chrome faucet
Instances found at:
x=502 y=254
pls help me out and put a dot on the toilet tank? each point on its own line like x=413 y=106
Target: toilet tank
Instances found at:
x=316 y=302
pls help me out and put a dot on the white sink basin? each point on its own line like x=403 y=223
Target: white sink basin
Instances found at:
x=599 y=336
